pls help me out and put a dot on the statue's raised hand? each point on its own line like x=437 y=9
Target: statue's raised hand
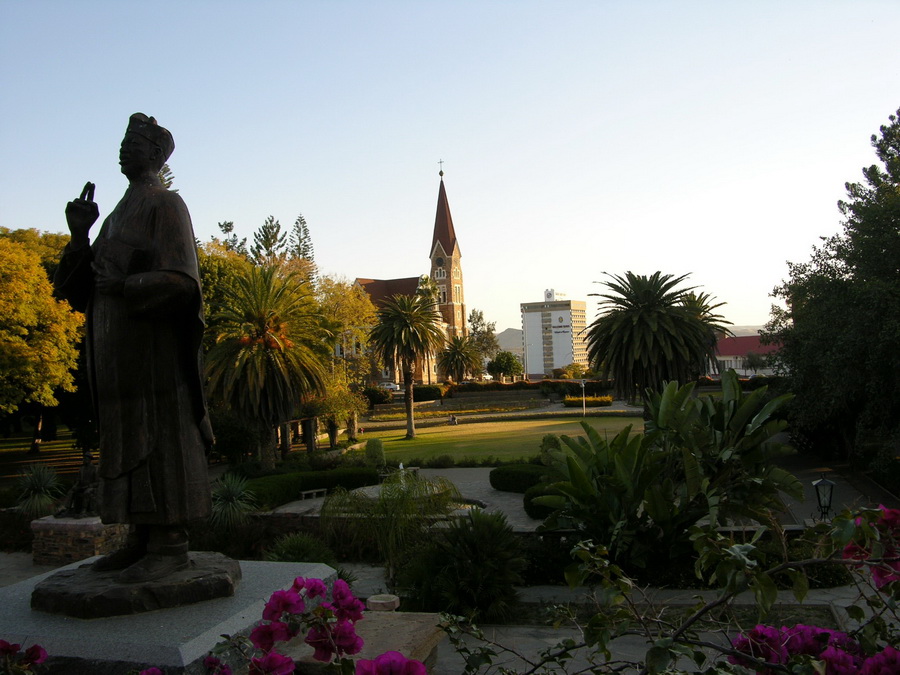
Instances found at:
x=81 y=213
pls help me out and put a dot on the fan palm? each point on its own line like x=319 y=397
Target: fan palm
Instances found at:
x=460 y=356
x=407 y=332
x=646 y=335
x=270 y=351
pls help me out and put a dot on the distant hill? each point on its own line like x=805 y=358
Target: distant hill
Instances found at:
x=746 y=330
x=510 y=340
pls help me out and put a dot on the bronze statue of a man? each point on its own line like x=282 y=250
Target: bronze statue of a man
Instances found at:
x=139 y=286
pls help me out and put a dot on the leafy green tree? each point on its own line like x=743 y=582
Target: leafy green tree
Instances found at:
x=753 y=361
x=350 y=314
x=460 y=356
x=220 y=268
x=38 y=334
x=647 y=334
x=504 y=363
x=837 y=337
x=270 y=352
x=482 y=334
x=47 y=245
x=407 y=332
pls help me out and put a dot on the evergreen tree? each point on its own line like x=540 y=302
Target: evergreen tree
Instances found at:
x=230 y=239
x=300 y=243
x=269 y=244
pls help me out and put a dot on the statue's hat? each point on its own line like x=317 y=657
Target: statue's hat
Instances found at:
x=147 y=127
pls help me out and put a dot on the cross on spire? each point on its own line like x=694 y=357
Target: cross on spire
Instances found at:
x=441 y=172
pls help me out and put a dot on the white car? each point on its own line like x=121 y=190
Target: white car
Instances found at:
x=390 y=386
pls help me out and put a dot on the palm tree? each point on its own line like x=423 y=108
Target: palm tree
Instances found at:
x=270 y=351
x=646 y=335
x=702 y=306
x=407 y=332
x=460 y=356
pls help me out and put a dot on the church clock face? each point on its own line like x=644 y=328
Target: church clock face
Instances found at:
x=439 y=262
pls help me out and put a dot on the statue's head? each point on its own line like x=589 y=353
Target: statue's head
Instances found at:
x=146 y=146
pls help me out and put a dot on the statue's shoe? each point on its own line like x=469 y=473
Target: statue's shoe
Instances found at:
x=119 y=560
x=152 y=567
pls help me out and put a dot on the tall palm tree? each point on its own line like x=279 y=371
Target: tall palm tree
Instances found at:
x=270 y=351
x=645 y=335
x=703 y=306
x=407 y=332
x=460 y=356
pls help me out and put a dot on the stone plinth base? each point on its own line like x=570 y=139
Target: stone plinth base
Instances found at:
x=174 y=640
x=86 y=594
x=60 y=541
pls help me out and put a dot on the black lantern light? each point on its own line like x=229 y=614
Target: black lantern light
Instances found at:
x=824 y=493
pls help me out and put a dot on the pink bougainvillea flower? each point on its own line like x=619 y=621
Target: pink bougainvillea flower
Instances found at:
x=272 y=663
x=344 y=604
x=890 y=518
x=320 y=640
x=215 y=666
x=281 y=602
x=886 y=662
x=390 y=663
x=34 y=654
x=346 y=639
x=152 y=671
x=265 y=635
x=801 y=639
x=9 y=649
x=839 y=662
x=315 y=588
x=884 y=573
x=765 y=643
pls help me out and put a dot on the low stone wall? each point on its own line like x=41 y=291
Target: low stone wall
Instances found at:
x=60 y=541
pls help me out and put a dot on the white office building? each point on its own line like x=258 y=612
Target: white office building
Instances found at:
x=553 y=334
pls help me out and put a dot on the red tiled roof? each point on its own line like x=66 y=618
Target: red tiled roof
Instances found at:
x=443 y=224
x=382 y=289
x=743 y=345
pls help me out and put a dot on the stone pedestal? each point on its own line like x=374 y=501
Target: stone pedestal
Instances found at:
x=86 y=594
x=60 y=541
x=174 y=640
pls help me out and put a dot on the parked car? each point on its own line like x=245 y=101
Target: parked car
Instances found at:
x=390 y=386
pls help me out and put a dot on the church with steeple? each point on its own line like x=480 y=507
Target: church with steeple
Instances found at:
x=446 y=267
x=446 y=274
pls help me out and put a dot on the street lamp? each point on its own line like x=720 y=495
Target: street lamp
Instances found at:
x=824 y=494
x=583 y=403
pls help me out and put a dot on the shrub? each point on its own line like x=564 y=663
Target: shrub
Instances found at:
x=272 y=491
x=374 y=452
x=547 y=556
x=471 y=569
x=235 y=440
x=232 y=502
x=376 y=395
x=39 y=490
x=537 y=511
x=587 y=401
x=301 y=547
x=517 y=477
x=440 y=462
x=428 y=392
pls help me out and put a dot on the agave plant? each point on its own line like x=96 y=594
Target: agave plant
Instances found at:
x=39 y=490
x=232 y=502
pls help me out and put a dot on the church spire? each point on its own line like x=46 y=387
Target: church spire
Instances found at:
x=443 y=222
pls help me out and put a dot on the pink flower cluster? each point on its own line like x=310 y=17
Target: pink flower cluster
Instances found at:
x=390 y=663
x=12 y=655
x=330 y=633
x=838 y=652
x=888 y=525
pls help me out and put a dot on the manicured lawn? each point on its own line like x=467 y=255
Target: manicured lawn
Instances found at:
x=508 y=440
x=59 y=453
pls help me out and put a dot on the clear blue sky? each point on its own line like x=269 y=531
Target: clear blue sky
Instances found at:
x=578 y=138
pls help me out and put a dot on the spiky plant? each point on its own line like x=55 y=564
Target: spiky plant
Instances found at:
x=39 y=490
x=232 y=502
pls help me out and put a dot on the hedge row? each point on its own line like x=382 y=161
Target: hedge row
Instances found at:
x=516 y=477
x=273 y=491
x=587 y=401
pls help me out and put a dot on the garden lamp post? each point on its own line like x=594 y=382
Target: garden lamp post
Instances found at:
x=583 y=403
x=824 y=493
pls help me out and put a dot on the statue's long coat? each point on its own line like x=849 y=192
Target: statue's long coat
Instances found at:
x=143 y=351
